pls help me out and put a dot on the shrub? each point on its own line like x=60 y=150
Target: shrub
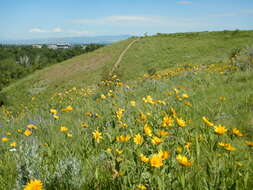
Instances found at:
x=3 y=98
x=152 y=71
x=244 y=61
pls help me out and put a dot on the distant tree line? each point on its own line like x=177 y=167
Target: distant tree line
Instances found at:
x=17 y=61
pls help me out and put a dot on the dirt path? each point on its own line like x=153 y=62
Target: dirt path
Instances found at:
x=122 y=55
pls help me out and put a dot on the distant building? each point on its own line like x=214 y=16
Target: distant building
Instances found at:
x=52 y=46
x=37 y=46
x=58 y=46
x=63 y=46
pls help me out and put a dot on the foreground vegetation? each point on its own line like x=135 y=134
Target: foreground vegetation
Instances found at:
x=187 y=126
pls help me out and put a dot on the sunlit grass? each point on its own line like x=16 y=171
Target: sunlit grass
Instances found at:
x=187 y=127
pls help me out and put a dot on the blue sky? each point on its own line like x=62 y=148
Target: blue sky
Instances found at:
x=27 y=19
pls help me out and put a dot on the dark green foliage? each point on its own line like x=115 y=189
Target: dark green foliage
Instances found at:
x=18 y=61
x=3 y=99
x=152 y=71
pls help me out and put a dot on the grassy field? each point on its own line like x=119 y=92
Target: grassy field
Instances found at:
x=177 y=114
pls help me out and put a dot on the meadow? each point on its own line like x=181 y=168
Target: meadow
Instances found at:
x=176 y=114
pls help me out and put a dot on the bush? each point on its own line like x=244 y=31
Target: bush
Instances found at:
x=152 y=71
x=3 y=99
x=244 y=61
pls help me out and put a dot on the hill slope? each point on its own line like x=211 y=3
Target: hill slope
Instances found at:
x=187 y=114
x=78 y=71
x=152 y=53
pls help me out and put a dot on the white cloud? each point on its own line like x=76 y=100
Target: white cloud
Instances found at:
x=61 y=31
x=37 y=30
x=184 y=2
x=57 y=30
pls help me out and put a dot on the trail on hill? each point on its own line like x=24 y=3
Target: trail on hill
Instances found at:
x=122 y=55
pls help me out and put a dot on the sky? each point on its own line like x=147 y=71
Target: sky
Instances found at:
x=33 y=19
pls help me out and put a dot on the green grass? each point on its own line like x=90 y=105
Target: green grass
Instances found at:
x=164 y=51
x=217 y=90
x=79 y=71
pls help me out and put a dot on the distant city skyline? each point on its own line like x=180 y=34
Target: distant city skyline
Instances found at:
x=29 y=19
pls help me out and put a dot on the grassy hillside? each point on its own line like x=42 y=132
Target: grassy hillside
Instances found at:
x=151 y=53
x=177 y=116
x=79 y=71
x=173 y=50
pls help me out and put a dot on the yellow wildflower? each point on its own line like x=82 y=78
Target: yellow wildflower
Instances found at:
x=185 y=96
x=102 y=96
x=5 y=139
x=162 y=133
x=19 y=131
x=97 y=136
x=239 y=164
x=117 y=173
x=156 y=161
x=8 y=134
x=183 y=160
x=122 y=124
x=143 y=117
x=226 y=146
x=138 y=139
x=31 y=126
x=173 y=111
x=161 y=102
x=220 y=129
x=88 y=114
x=176 y=90
x=70 y=135
x=179 y=149
x=222 y=144
x=167 y=121
x=53 y=111
x=249 y=143
x=205 y=120
x=56 y=117
x=84 y=124
x=222 y=98
x=27 y=132
x=229 y=147
x=187 y=146
x=147 y=130
x=133 y=103
x=148 y=99
x=141 y=187
x=181 y=122
x=149 y=114
x=179 y=98
x=123 y=138
x=237 y=132
x=163 y=154
x=63 y=129
x=143 y=158
x=67 y=109
x=34 y=185
x=188 y=104
x=119 y=152
x=119 y=113
x=13 y=144
x=156 y=140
